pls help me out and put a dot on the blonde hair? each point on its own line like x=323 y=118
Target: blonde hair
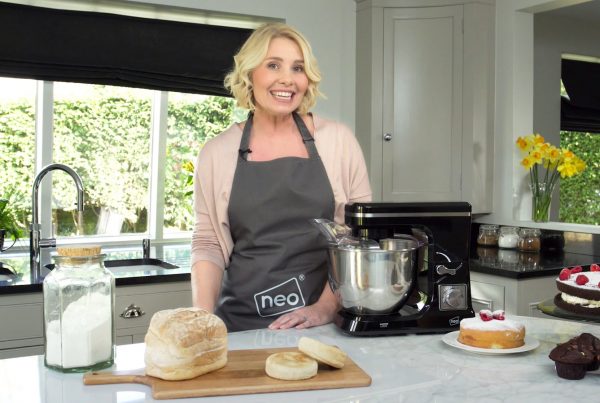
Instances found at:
x=254 y=51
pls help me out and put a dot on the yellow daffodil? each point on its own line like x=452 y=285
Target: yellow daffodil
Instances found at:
x=527 y=162
x=522 y=143
x=538 y=139
x=536 y=156
x=553 y=154
x=567 y=154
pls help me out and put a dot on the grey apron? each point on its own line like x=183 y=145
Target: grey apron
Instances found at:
x=279 y=260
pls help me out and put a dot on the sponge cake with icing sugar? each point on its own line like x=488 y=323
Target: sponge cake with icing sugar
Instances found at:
x=491 y=330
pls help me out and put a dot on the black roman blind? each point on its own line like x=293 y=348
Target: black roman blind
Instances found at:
x=580 y=112
x=101 y=48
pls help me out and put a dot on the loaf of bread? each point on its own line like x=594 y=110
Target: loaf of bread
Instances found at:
x=184 y=343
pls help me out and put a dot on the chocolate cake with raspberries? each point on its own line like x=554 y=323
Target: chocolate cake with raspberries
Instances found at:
x=579 y=290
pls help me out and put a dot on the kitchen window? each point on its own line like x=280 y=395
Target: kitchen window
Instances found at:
x=95 y=129
x=580 y=133
x=192 y=120
x=128 y=109
x=112 y=137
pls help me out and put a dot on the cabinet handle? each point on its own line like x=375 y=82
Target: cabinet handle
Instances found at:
x=132 y=311
x=387 y=136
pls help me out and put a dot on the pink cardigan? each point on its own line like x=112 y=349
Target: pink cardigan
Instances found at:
x=213 y=178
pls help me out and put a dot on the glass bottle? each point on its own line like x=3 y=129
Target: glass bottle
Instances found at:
x=508 y=238
x=529 y=240
x=79 y=299
x=488 y=235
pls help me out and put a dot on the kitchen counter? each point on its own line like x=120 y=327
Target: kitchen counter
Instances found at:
x=514 y=264
x=413 y=368
x=558 y=250
x=176 y=254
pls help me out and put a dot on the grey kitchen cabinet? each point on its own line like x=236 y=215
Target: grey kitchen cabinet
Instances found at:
x=22 y=323
x=148 y=299
x=514 y=296
x=424 y=109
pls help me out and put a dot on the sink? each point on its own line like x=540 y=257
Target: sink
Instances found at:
x=133 y=265
x=129 y=265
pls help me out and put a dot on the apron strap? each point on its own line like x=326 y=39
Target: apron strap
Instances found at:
x=309 y=141
x=245 y=141
x=307 y=138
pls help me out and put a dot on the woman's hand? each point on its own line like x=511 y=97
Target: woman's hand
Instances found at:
x=302 y=318
x=320 y=313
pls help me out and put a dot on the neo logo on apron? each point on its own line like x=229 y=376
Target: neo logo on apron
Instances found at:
x=282 y=298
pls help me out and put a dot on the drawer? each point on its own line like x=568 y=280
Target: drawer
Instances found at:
x=21 y=352
x=124 y=340
x=148 y=304
x=21 y=321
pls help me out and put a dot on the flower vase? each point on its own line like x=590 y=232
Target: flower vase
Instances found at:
x=541 y=197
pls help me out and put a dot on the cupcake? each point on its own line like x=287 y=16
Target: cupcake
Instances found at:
x=577 y=356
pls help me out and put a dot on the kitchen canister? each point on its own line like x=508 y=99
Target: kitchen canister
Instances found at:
x=508 y=237
x=488 y=235
x=529 y=240
x=79 y=299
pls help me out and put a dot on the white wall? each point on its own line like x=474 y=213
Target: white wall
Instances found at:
x=330 y=27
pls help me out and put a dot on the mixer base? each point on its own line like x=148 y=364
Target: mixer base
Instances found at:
x=398 y=324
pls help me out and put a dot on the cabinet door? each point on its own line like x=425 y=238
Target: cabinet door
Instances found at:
x=146 y=300
x=487 y=296
x=21 y=325
x=422 y=103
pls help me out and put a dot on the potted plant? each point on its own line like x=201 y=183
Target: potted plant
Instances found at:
x=9 y=226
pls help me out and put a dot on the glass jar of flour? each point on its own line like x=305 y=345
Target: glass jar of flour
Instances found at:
x=79 y=299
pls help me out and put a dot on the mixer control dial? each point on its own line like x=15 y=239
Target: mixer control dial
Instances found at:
x=453 y=296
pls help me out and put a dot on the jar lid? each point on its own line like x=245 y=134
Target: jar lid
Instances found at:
x=530 y=231
x=492 y=227
x=79 y=251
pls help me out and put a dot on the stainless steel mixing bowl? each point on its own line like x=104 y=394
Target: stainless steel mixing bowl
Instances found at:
x=374 y=281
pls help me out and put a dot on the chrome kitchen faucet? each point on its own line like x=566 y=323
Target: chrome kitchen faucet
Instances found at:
x=35 y=241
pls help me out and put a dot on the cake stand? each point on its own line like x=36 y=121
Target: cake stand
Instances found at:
x=549 y=308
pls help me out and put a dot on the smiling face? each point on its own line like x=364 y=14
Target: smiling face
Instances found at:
x=279 y=82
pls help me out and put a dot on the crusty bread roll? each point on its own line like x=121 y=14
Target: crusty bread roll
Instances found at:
x=291 y=366
x=184 y=343
x=324 y=353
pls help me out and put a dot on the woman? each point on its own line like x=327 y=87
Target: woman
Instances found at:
x=257 y=261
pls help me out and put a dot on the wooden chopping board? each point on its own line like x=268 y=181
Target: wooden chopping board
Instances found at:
x=243 y=374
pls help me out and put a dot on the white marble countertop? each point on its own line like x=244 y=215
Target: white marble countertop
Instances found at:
x=413 y=368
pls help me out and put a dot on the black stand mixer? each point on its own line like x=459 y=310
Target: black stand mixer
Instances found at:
x=427 y=278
